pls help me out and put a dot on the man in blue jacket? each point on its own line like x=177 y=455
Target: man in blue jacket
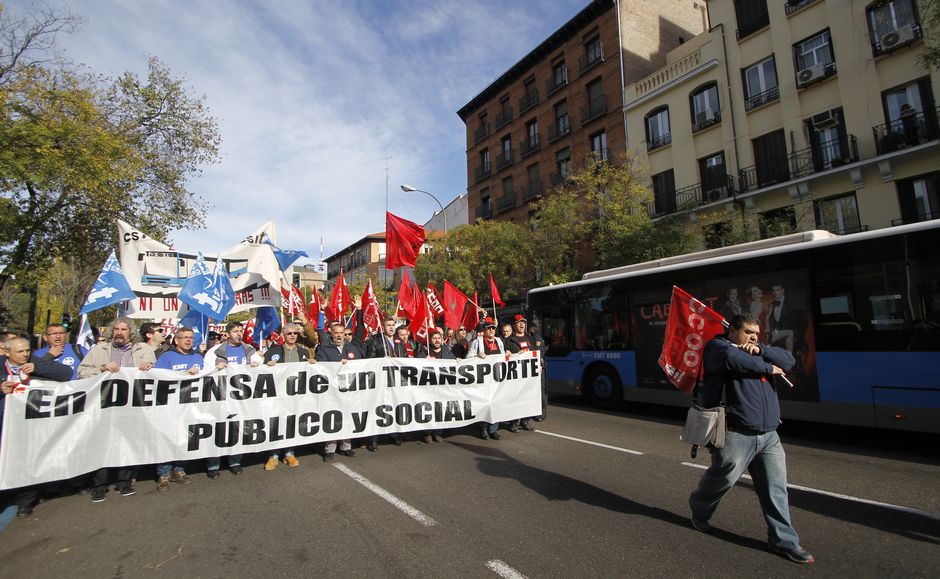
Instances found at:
x=746 y=369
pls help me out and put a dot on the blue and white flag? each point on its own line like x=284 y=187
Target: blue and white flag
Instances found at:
x=209 y=294
x=266 y=321
x=86 y=337
x=285 y=257
x=110 y=288
x=199 y=323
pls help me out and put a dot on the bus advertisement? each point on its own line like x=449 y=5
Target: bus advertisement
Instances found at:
x=860 y=313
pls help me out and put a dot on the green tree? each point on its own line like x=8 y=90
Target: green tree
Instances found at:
x=80 y=151
x=931 y=23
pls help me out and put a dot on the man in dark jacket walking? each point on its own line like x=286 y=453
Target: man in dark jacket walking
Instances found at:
x=745 y=370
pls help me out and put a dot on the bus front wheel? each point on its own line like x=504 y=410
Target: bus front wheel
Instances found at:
x=603 y=388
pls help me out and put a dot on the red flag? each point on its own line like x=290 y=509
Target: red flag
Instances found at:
x=313 y=310
x=406 y=298
x=472 y=317
x=340 y=300
x=495 y=293
x=249 y=332
x=454 y=303
x=423 y=321
x=371 y=312
x=690 y=325
x=434 y=301
x=293 y=300
x=403 y=241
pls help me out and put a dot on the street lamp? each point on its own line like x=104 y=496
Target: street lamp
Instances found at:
x=409 y=189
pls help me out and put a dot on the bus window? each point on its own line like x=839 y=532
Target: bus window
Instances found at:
x=601 y=318
x=556 y=330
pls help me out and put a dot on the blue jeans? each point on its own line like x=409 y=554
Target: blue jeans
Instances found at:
x=215 y=463
x=763 y=457
x=490 y=427
x=164 y=469
x=277 y=454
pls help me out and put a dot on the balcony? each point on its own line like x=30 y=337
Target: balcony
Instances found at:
x=921 y=216
x=907 y=131
x=763 y=98
x=561 y=128
x=556 y=179
x=705 y=119
x=532 y=190
x=749 y=28
x=506 y=202
x=826 y=155
x=557 y=81
x=591 y=58
x=594 y=109
x=483 y=211
x=662 y=204
x=896 y=39
x=529 y=145
x=504 y=116
x=659 y=142
x=686 y=198
x=481 y=172
x=481 y=133
x=504 y=159
x=768 y=172
x=528 y=100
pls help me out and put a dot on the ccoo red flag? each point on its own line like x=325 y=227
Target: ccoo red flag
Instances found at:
x=340 y=300
x=403 y=241
x=495 y=293
x=454 y=303
x=471 y=317
x=423 y=321
x=434 y=301
x=313 y=309
x=292 y=300
x=690 y=325
x=406 y=298
x=371 y=312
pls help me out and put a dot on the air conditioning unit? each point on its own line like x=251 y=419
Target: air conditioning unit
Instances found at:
x=811 y=74
x=897 y=37
x=825 y=120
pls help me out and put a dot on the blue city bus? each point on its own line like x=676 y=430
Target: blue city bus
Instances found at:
x=860 y=313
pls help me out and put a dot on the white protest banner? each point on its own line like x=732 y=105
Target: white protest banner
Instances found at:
x=58 y=430
x=156 y=272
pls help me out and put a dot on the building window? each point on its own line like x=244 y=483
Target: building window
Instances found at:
x=505 y=112
x=599 y=146
x=760 y=84
x=505 y=155
x=919 y=198
x=714 y=177
x=530 y=96
x=559 y=77
x=912 y=119
x=705 y=109
x=563 y=163
x=751 y=16
x=593 y=54
x=771 y=163
x=838 y=214
x=596 y=102
x=892 y=24
x=562 y=124
x=533 y=186
x=485 y=209
x=664 y=193
x=483 y=128
x=531 y=141
x=814 y=59
x=777 y=222
x=830 y=145
x=657 y=129
x=483 y=169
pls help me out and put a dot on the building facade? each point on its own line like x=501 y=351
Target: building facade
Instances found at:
x=790 y=115
x=562 y=102
x=454 y=214
x=363 y=260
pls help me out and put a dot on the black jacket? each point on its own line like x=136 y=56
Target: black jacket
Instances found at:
x=330 y=353
x=45 y=370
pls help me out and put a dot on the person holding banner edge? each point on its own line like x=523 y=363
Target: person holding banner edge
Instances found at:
x=233 y=351
x=745 y=368
x=289 y=351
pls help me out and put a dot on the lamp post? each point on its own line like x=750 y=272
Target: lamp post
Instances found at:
x=409 y=189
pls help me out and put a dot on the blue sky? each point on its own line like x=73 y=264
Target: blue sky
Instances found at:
x=312 y=96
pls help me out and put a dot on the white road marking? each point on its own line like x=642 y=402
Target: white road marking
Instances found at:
x=928 y=514
x=395 y=501
x=617 y=448
x=504 y=570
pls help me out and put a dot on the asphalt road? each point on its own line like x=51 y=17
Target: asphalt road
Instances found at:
x=610 y=500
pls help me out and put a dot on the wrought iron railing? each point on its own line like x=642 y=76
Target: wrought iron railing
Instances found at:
x=702 y=120
x=901 y=37
x=595 y=108
x=529 y=145
x=591 y=58
x=907 y=131
x=528 y=100
x=483 y=211
x=503 y=117
x=763 y=98
x=556 y=81
x=825 y=155
x=503 y=159
x=794 y=5
x=482 y=171
x=506 y=201
x=481 y=132
x=921 y=216
x=561 y=128
x=658 y=142
x=532 y=189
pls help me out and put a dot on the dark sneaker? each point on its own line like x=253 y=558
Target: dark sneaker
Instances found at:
x=24 y=512
x=495 y=436
x=236 y=469
x=327 y=457
x=373 y=446
x=98 y=495
x=350 y=453
x=795 y=554
x=513 y=427
x=398 y=441
x=128 y=491
x=484 y=434
x=528 y=426
x=213 y=474
x=702 y=525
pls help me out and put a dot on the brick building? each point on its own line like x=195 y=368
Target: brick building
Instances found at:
x=563 y=101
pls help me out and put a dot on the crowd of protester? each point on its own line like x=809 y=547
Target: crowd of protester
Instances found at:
x=124 y=345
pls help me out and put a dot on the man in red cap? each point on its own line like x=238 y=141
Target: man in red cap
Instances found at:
x=482 y=346
x=520 y=341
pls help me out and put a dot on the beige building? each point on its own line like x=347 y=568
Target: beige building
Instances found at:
x=363 y=260
x=792 y=115
x=560 y=103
